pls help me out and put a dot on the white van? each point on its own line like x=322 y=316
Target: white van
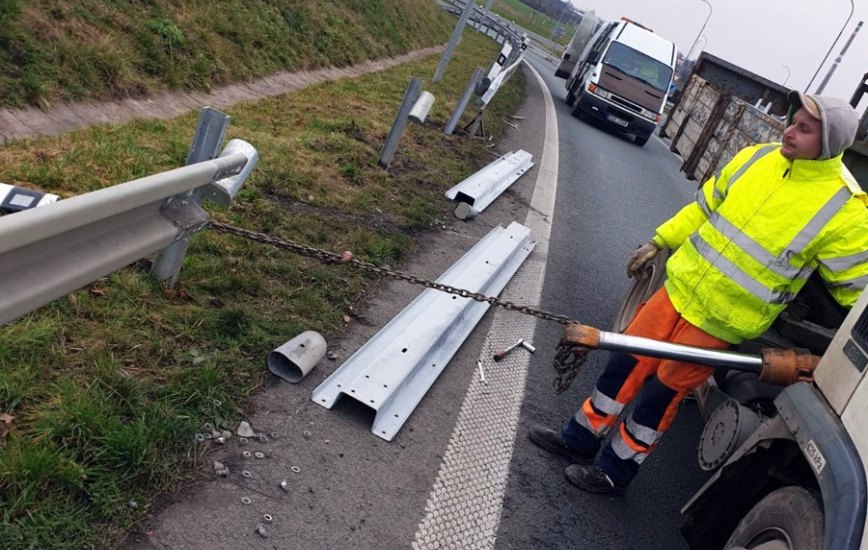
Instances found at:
x=585 y=30
x=623 y=78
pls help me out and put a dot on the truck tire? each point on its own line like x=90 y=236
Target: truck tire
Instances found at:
x=641 y=290
x=790 y=516
x=577 y=107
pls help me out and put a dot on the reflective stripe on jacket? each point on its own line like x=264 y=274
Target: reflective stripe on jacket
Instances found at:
x=756 y=232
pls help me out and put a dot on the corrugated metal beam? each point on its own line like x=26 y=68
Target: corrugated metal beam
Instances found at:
x=393 y=370
x=483 y=187
x=52 y=250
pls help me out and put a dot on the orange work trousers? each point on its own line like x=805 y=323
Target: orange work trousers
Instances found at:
x=665 y=383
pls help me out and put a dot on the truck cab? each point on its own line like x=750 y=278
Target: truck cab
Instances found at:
x=623 y=78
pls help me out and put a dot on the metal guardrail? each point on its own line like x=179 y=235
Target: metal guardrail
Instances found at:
x=52 y=250
x=483 y=187
x=393 y=370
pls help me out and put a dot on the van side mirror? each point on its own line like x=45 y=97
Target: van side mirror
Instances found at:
x=593 y=58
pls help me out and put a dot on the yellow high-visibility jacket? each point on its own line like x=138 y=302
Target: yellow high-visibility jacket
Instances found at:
x=756 y=232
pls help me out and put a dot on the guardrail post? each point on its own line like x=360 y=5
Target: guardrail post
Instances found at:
x=462 y=104
x=469 y=5
x=206 y=144
x=400 y=123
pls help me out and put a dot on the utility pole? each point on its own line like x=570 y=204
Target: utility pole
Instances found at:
x=834 y=66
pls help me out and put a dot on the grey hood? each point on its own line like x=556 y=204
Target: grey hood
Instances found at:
x=838 y=121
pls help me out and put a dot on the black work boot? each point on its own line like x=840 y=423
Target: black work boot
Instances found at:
x=553 y=442
x=591 y=478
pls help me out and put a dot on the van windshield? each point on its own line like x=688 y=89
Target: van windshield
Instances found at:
x=638 y=65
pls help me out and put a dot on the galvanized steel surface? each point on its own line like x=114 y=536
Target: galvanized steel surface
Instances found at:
x=394 y=369
x=483 y=187
x=52 y=250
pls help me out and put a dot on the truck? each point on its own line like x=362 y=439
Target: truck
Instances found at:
x=623 y=78
x=588 y=25
x=787 y=463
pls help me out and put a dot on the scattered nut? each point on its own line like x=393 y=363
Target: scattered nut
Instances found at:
x=242 y=441
x=208 y=426
x=267 y=518
x=246 y=454
x=330 y=355
x=262 y=438
x=305 y=434
x=245 y=500
x=284 y=485
x=200 y=438
x=273 y=435
x=222 y=473
x=259 y=455
x=245 y=473
x=295 y=469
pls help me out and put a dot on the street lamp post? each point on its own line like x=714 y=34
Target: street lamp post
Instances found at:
x=690 y=51
x=830 y=47
x=698 y=49
x=788 y=75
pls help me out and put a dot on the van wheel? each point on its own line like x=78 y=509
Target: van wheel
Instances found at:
x=577 y=107
x=789 y=518
x=570 y=99
x=641 y=290
x=641 y=140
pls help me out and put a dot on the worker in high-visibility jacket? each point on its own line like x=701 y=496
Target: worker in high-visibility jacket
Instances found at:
x=742 y=251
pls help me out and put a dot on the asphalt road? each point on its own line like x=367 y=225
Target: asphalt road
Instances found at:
x=611 y=195
x=351 y=489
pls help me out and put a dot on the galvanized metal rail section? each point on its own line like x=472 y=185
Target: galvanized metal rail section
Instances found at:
x=393 y=370
x=55 y=249
x=482 y=188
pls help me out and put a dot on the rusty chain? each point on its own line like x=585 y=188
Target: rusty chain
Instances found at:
x=330 y=258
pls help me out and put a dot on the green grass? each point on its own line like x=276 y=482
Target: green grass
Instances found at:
x=55 y=50
x=533 y=20
x=108 y=385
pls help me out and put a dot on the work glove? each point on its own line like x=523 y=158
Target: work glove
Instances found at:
x=640 y=258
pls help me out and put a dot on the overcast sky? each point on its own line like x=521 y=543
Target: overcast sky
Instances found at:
x=760 y=35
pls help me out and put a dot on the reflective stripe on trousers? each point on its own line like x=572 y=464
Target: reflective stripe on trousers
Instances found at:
x=665 y=383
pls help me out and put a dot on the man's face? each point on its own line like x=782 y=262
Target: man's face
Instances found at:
x=802 y=137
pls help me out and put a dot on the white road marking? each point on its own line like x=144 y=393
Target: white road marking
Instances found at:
x=464 y=506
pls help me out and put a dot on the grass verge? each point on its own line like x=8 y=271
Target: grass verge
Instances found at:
x=102 y=391
x=533 y=20
x=56 y=50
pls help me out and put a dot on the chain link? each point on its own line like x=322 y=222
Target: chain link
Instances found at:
x=331 y=258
